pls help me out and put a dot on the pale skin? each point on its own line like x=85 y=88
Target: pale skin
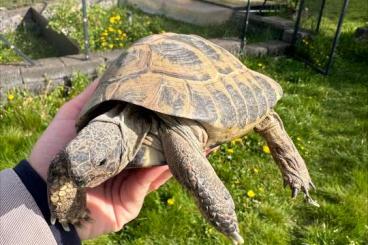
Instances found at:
x=111 y=204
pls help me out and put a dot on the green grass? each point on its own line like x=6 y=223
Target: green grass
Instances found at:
x=326 y=116
x=29 y=42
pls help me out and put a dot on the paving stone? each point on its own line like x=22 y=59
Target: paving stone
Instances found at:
x=77 y=63
x=275 y=22
x=242 y=3
x=274 y=47
x=287 y=35
x=190 y=11
x=255 y=50
x=111 y=55
x=10 y=77
x=231 y=45
x=36 y=77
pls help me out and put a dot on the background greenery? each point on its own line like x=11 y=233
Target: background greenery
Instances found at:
x=326 y=116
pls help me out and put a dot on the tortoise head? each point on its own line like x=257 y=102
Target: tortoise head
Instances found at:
x=94 y=155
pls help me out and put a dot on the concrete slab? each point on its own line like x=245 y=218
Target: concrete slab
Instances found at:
x=254 y=50
x=231 y=45
x=190 y=11
x=77 y=63
x=47 y=70
x=10 y=77
x=287 y=35
x=274 y=47
x=243 y=3
x=275 y=22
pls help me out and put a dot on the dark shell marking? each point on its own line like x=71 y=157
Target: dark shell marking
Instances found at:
x=171 y=97
x=204 y=107
x=268 y=90
x=176 y=53
x=241 y=108
x=223 y=104
x=198 y=43
x=250 y=101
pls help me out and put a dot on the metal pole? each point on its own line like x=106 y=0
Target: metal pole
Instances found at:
x=337 y=36
x=16 y=50
x=323 y=3
x=85 y=29
x=243 y=39
x=297 y=24
x=263 y=6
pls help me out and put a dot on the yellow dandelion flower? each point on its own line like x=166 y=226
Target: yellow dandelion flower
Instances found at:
x=117 y=17
x=237 y=140
x=170 y=201
x=251 y=194
x=230 y=151
x=111 y=45
x=266 y=149
x=112 y=20
x=10 y=97
x=119 y=32
x=256 y=170
x=111 y=29
x=104 y=44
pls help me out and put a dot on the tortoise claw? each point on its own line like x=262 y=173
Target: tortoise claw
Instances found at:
x=312 y=185
x=65 y=226
x=237 y=238
x=294 y=192
x=52 y=219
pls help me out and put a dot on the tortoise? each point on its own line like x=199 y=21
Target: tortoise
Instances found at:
x=164 y=100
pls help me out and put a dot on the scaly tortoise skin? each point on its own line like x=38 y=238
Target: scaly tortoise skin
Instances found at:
x=165 y=100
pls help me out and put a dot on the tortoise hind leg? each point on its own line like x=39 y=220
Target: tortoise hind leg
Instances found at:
x=287 y=157
x=192 y=169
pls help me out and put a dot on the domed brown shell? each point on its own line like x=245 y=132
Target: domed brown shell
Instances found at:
x=186 y=76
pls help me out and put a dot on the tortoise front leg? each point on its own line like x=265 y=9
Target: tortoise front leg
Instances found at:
x=192 y=169
x=287 y=157
x=67 y=202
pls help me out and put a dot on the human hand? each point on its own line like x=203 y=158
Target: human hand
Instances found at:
x=113 y=203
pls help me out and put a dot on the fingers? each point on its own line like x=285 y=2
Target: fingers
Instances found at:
x=83 y=97
x=131 y=189
x=162 y=179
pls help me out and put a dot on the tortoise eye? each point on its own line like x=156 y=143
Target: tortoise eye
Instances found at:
x=103 y=162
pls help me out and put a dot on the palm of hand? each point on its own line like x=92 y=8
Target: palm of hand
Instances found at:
x=113 y=203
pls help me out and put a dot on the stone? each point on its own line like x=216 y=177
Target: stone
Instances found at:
x=190 y=11
x=49 y=71
x=287 y=35
x=275 y=47
x=274 y=22
x=78 y=63
x=10 y=77
x=255 y=50
x=243 y=3
x=231 y=45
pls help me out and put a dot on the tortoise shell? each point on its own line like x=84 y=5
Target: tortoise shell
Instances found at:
x=190 y=77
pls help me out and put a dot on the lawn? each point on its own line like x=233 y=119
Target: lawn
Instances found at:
x=326 y=116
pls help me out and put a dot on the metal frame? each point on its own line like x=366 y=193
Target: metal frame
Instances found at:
x=17 y=51
x=85 y=29
x=243 y=38
x=326 y=69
